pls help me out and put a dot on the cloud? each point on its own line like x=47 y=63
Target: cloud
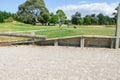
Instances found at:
x=89 y=8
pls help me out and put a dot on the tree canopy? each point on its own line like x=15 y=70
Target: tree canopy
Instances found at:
x=93 y=19
x=54 y=18
x=76 y=18
x=5 y=16
x=31 y=10
x=61 y=15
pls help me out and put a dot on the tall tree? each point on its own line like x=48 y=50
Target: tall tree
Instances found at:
x=44 y=18
x=76 y=18
x=31 y=9
x=62 y=16
x=54 y=18
x=94 y=19
x=107 y=20
x=101 y=20
x=87 y=20
x=5 y=16
x=1 y=17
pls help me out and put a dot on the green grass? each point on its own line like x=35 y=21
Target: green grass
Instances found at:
x=22 y=27
x=80 y=31
x=65 y=31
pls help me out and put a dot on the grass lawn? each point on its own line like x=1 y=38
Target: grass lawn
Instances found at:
x=80 y=30
x=57 y=32
x=16 y=26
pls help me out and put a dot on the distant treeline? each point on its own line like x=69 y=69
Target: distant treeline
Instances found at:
x=32 y=12
x=93 y=19
x=76 y=18
x=6 y=16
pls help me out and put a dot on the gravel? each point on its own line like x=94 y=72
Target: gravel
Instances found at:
x=59 y=63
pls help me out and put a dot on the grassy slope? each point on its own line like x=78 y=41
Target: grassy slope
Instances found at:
x=16 y=26
x=86 y=30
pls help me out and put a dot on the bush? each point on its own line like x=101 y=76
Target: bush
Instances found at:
x=10 y=19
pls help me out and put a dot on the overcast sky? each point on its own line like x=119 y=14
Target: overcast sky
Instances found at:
x=106 y=7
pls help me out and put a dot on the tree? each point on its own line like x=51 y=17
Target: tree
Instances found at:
x=112 y=21
x=30 y=10
x=87 y=20
x=1 y=17
x=54 y=19
x=94 y=19
x=80 y=21
x=10 y=19
x=101 y=20
x=76 y=18
x=61 y=15
x=43 y=18
x=6 y=15
x=107 y=20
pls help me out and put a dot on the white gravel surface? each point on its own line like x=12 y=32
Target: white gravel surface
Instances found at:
x=59 y=63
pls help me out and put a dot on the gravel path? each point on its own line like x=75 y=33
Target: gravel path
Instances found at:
x=59 y=63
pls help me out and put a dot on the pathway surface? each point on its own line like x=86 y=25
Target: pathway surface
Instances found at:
x=59 y=63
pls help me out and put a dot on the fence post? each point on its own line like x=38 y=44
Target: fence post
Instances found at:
x=55 y=42
x=112 y=43
x=82 y=42
x=33 y=33
x=117 y=34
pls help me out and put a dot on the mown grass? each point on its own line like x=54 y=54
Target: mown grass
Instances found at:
x=16 y=26
x=74 y=32
x=59 y=32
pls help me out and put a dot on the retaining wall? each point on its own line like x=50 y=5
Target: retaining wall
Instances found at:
x=81 y=41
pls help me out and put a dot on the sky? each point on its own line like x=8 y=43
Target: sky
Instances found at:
x=107 y=7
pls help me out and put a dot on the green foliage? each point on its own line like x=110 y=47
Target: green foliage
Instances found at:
x=61 y=15
x=76 y=18
x=80 y=22
x=54 y=19
x=67 y=21
x=1 y=17
x=101 y=20
x=43 y=18
x=10 y=19
x=87 y=20
x=32 y=11
x=5 y=15
x=93 y=19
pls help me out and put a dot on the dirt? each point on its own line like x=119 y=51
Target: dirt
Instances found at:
x=6 y=39
x=59 y=63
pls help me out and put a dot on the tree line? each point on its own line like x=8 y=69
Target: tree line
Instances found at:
x=35 y=11
x=6 y=16
x=93 y=19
